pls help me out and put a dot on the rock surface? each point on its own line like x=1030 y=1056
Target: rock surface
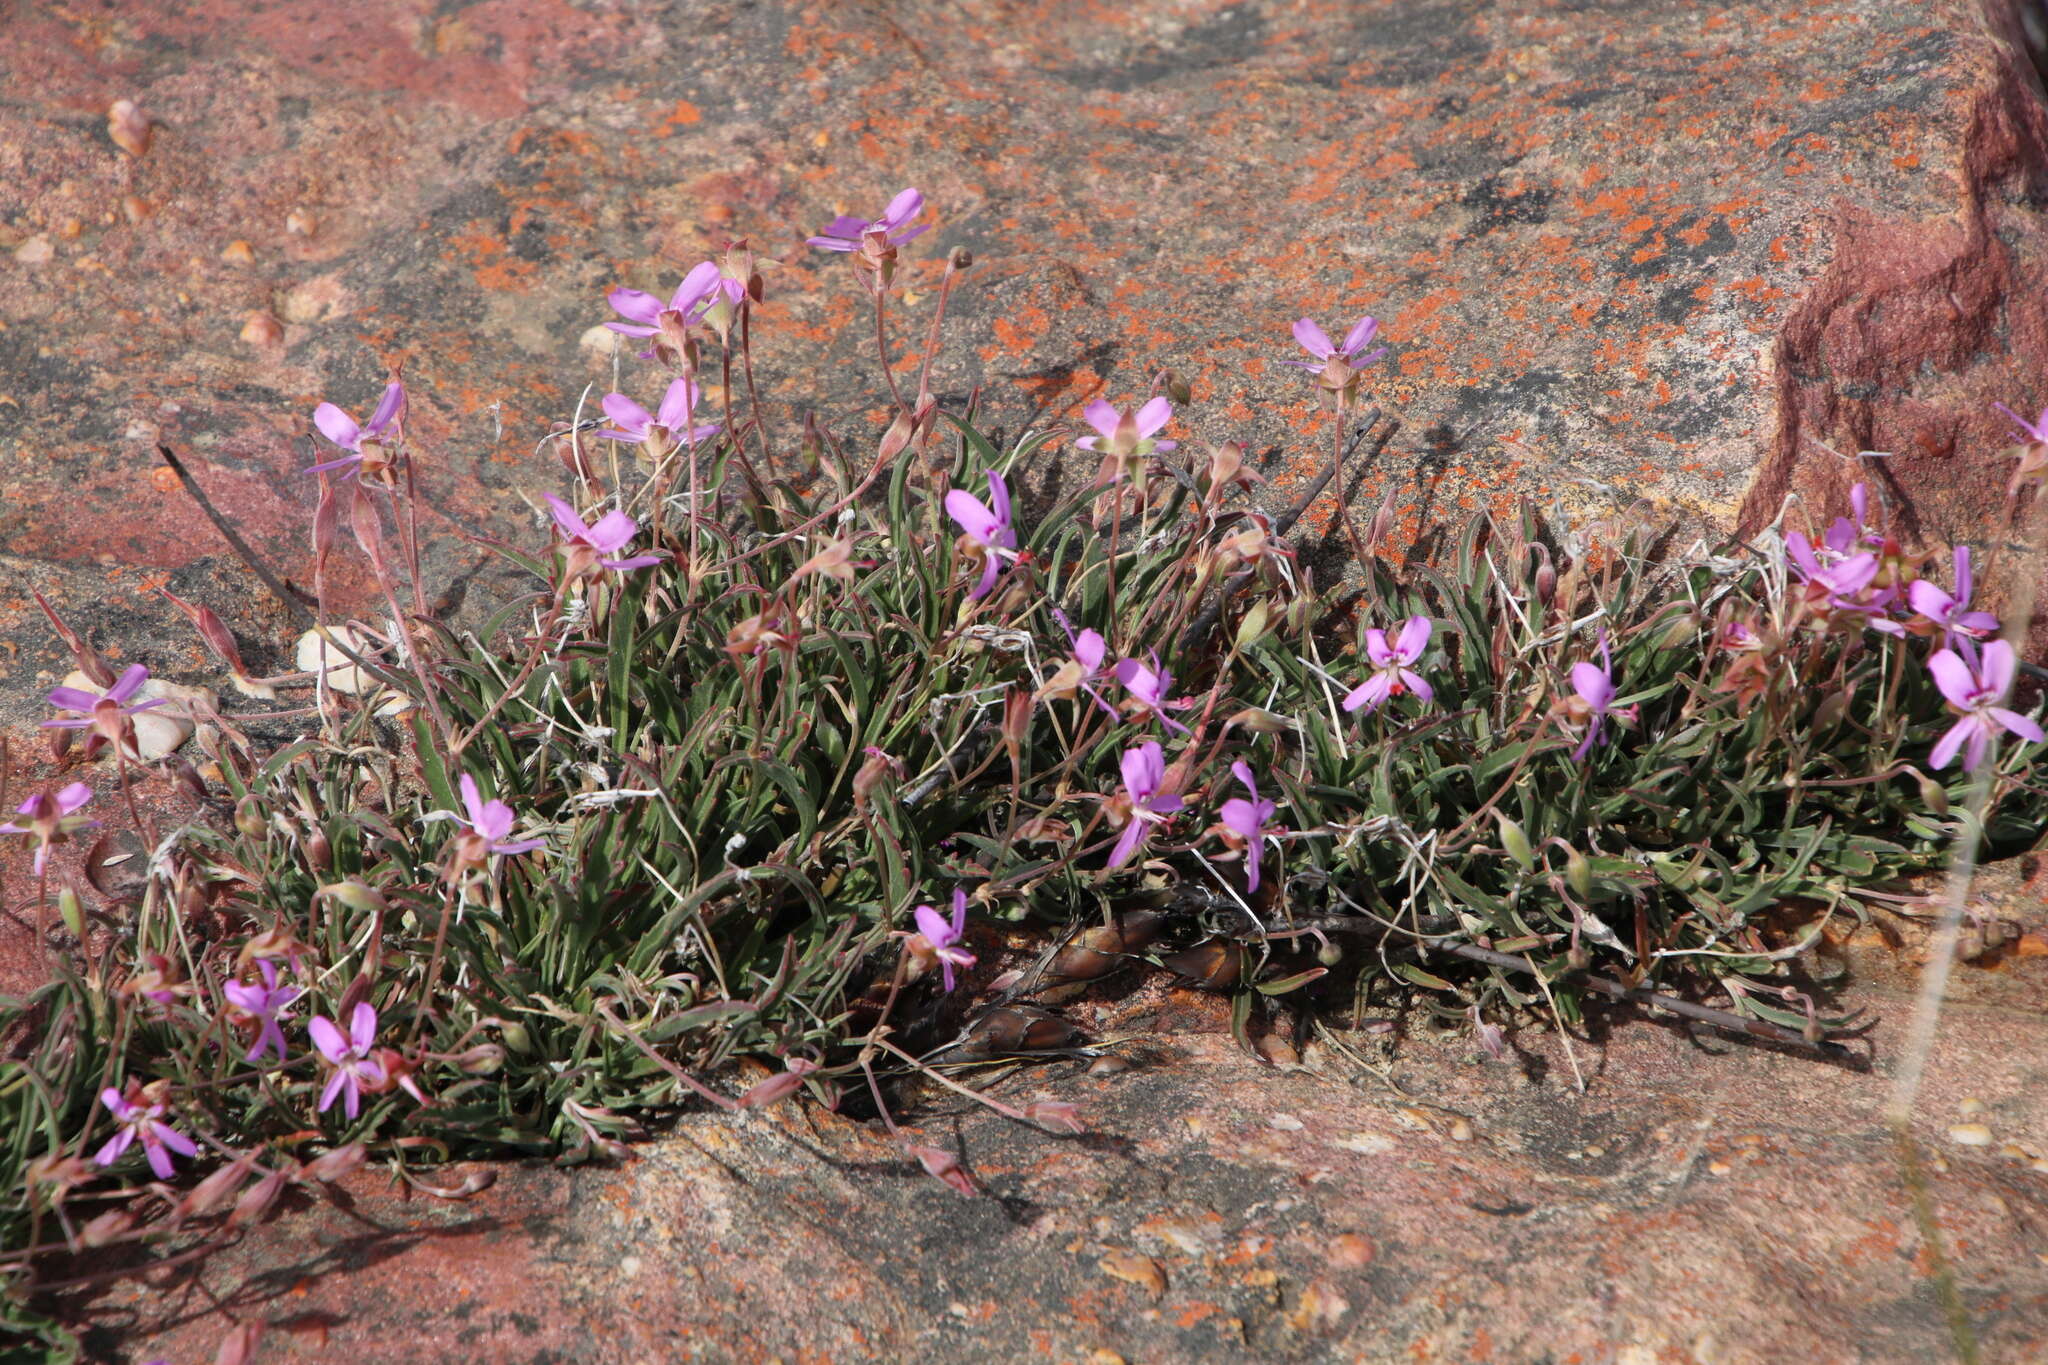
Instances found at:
x=1657 y=249
x=1704 y=1202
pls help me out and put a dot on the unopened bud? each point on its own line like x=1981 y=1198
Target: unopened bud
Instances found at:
x=354 y=894
x=208 y=1194
x=1516 y=843
x=107 y=1228
x=959 y=258
x=1578 y=874
x=1056 y=1116
x=319 y=852
x=249 y=817
x=1330 y=953
x=516 y=1037
x=1933 y=795
x=1017 y=709
x=1546 y=583
x=1254 y=624
x=331 y=1166
x=72 y=911
x=1260 y=721
x=482 y=1060
x=257 y=1199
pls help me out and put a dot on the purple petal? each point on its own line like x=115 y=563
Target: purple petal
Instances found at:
x=1963 y=579
x=1377 y=653
x=1144 y=768
x=634 y=305
x=999 y=497
x=1930 y=601
x=1592 y=684
x=472 y=800
x=1801 y=550
x=2000 y=667
x=700 y=281
x=1953 y=677
x=110 y=1153
x=159 y=1159
x=1242 y=771
x=565 y=517
x=1413 y=640
x=614 y=532
x=362 y=1025
x=627 y=415
x=830 y=243
x=328 y=1039
x=904 y=207
x=1127 y=842
x=72 y=699
x=521 y=846
x=1369 y=694
x=337 y=426
x=132 y=677
x=959 y=912
x=990 y=568
x=1360 y=335
x=388 y=407
x=1155 y=414
x=1089 y=648
x=2020 y=725
x=967 y=510
x=175 y=1140
x=908 y=234
x=677 y=404
x=72 y=797
x=933 y=926
x=1240 y=817
x=1418 y=685
x=632 y=330
x=345 y=461
x=1102 y=417
x=636 y=562
x=333 y=1088
x=1313 y=339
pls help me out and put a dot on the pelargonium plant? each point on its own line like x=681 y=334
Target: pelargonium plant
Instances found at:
x=832 y=686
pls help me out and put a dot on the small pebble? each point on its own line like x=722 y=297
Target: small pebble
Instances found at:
x=129 y=127
x=1461 y=1130
x=1133 y=1268
x=261 y=329
x=1970 y=1135
x=1352 y=1249
x=238 y=252
x=1971 y=1107
x=1108 y=1066
x=35 y=251
x=1719 y=1167
x=1286 y=1123
x=301 y=223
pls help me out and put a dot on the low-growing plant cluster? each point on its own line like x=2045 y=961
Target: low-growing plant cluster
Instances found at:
x=800 y=768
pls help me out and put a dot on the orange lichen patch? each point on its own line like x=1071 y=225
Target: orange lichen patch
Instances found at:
x=491 y=262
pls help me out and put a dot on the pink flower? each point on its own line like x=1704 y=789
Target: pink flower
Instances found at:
x=847 y=233
x=986 y=526
x=2036 y=431
x=1245 y=821
x=141 y=1115
x=1594 y=687
x=1127 y=434
x=1393 y=664
x=354 y=1067
x=1836 y=580
x=945 y=938
x=658 y=431
x=642 y=311
x=1951 y=614
x=491 y=821
x=1351 y=354
x=1148 y=688
x=266 y=1004
x=340 y=428
x=598 y=545
x=105 y=714
x=1144 y=771
x=50 y=818
x=1975 y=687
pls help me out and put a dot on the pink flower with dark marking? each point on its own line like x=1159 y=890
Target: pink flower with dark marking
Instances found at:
x=1144 y=804
x=140 y=1114
x=1245 y=822
x=490 y=822
x=1127 y=434
x=987 y=526
x=1394 y=666
x=891 y=230
x=50 y=818
x=265 y=1003
x=364 y=444
x=1974 y=686
x=1593 y=700
x=106 y=714
x=1951 y=614
x=593 y=547
x=662 y=429
x=1147 y=689
x=355 y=1069
x=945 y=937
x=1838 y=581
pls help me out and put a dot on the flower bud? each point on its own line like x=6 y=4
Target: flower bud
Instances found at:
x=257 y=1199
x=1933 y=795
x=1516 y=843
x=484 y=1059
x=516 y=1037
x=1254 y=624
x=354 y=894
x=1330 y=953
x=207 y=1195
x=109 y=1227
x=332 y=1166
x=249 y=817
x=1578 y=874
x=1057 y=1116
x=72 y=911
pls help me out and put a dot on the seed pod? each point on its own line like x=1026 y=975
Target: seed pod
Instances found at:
x=482 y=1060
x=1100 y=950
x=108 y=1227
x=207 y=1195
x=1330 y=953
x=516 y=1037
x=319 y=853
x=331 y=1166
x=72 y=911
x=1214 y=965
x=1017 y=1028
x=1933 y=795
